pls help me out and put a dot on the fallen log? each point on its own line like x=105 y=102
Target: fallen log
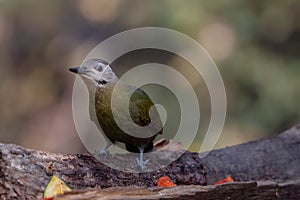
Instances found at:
x=233 y=191
x=271 y=165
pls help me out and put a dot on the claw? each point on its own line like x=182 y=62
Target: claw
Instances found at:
x=140 y=161
x=146 y=161
x=104 y=150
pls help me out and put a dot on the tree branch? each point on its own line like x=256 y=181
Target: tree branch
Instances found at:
x=24 y=173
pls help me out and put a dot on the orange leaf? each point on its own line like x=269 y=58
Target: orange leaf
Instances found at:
x=165 y=181
x=50 y=198
x=228 y=179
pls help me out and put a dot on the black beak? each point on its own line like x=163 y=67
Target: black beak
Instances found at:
x=74 y=69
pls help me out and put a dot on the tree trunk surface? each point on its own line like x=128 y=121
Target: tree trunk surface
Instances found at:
x=263 y=169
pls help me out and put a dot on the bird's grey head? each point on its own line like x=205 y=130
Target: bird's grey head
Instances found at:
x=95 y=72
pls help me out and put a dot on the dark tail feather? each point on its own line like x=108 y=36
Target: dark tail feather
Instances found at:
x=135 y=149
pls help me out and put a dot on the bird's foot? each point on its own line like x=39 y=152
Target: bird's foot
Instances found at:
x=102 y=151
x=142 y=163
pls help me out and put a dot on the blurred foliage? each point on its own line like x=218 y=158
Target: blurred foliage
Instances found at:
x=255 y=44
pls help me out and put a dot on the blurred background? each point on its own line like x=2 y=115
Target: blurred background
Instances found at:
x=255 y=44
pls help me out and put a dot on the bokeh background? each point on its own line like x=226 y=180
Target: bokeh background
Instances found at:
x=255 y=44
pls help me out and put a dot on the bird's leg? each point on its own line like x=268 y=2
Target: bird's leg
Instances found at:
x=141 y=161
x=104 y=150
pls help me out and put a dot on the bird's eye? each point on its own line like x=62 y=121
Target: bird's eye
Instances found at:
x=99 y=67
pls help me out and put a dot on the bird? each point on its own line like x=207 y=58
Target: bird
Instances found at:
x=100 y=81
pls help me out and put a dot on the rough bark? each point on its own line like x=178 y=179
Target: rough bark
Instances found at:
x=24 y=173
x=232 y=191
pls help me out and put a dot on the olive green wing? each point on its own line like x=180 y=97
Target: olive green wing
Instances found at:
x=140 y=104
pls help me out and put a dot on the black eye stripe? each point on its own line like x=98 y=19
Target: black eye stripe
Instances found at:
x=102 y=82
